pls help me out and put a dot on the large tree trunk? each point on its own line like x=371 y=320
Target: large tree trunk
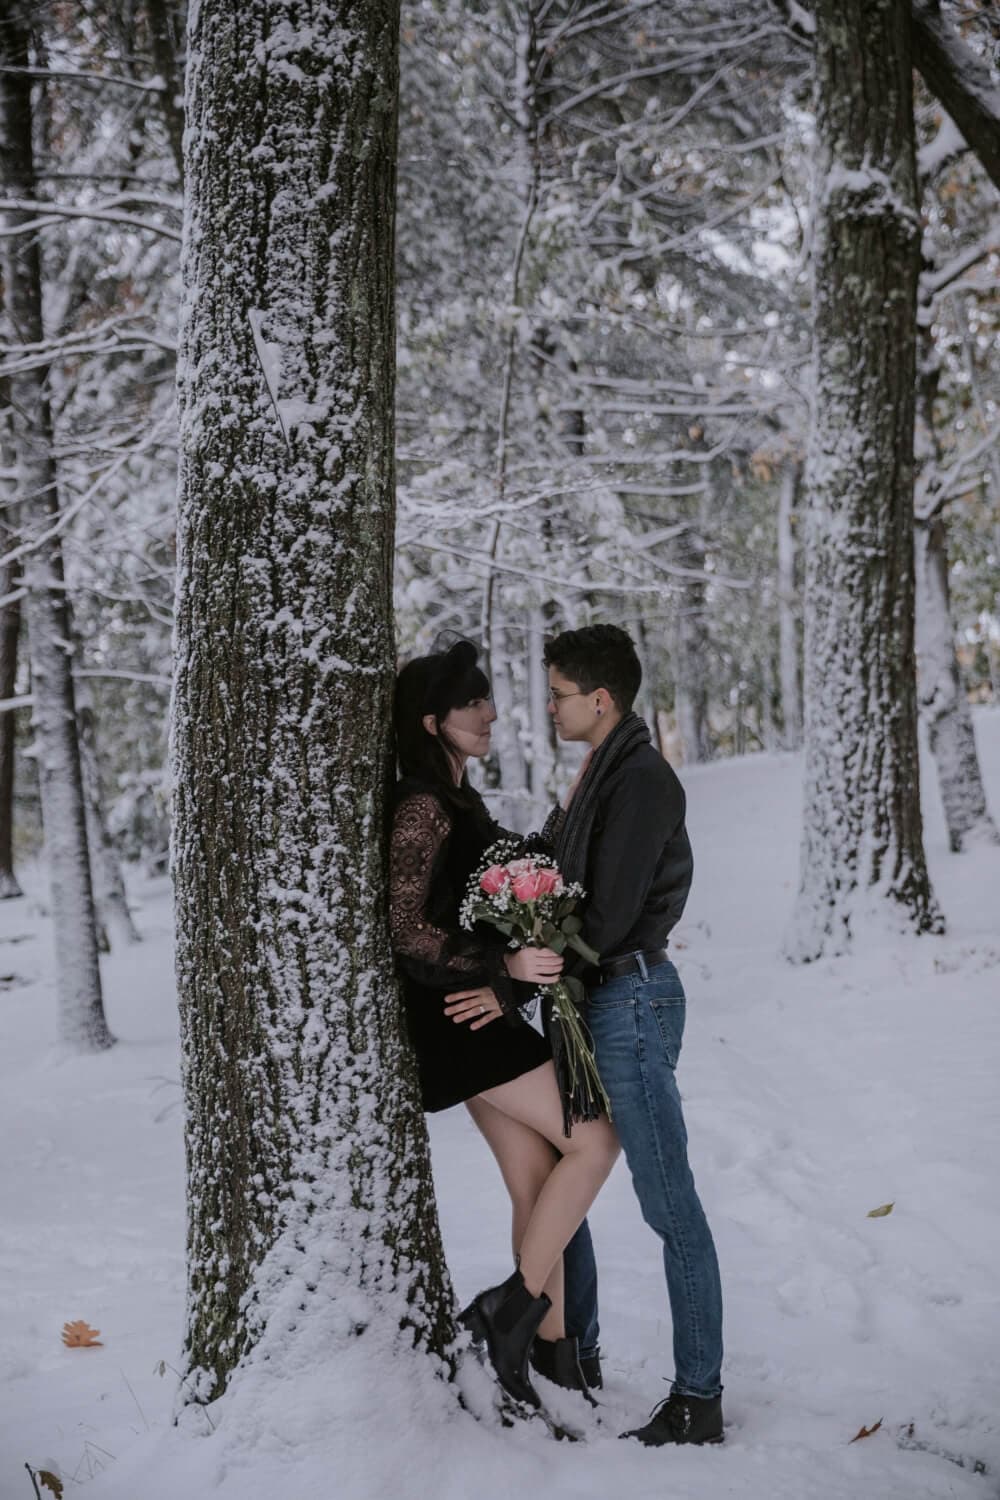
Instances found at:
x=82 y=1025
x=862 y=847
x=308 y=1168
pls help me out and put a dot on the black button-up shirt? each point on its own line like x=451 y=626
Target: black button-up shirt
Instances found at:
x=639 y=861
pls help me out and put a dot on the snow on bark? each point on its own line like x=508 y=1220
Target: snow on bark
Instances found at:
x=310 y=1195
x=862 y=846
x=81 y=1022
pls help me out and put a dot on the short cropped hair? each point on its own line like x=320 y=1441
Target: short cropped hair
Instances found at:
x=598 y=656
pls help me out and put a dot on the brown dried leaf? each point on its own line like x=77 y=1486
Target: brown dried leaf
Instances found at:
x=51 y=1482
x=880 y=1213
x=866 y=1432
x=80 y=1335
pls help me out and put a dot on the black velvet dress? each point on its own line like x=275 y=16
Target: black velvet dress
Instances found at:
x=434 y=850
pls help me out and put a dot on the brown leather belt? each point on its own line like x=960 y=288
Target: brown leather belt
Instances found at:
x=628 y=963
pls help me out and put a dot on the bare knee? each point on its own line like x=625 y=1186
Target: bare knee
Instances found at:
x=597 y=1143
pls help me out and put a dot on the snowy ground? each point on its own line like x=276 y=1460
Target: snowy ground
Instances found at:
x=813 y=1095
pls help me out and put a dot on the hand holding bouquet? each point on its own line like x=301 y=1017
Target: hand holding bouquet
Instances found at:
x=526 y=898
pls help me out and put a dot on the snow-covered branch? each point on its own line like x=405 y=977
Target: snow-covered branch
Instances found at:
x=936 y=280
x=960 y=80
x=933 y=498
x=50 y=214
x=81 y=75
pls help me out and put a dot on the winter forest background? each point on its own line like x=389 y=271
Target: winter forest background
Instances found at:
x=695 y=332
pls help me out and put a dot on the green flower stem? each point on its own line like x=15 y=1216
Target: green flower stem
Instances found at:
x=579 y=1050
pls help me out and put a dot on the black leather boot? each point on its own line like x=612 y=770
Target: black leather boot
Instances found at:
x=559 y=1361
x=506 y=1318
x=682 y=1419
x=590 y=1364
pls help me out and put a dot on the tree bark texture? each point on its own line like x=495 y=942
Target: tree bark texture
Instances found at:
x=310 y=1191
x=81 y=1022
x=862 y=847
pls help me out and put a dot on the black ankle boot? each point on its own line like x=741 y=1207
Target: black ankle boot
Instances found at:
x=682 y=1419
x=505 y=1318
x=559 y=1361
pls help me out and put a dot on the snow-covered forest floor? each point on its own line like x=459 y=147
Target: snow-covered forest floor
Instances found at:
x=813 y=1096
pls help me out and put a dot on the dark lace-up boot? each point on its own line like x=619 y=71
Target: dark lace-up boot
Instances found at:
x=682 y=1419
x=506 y=1319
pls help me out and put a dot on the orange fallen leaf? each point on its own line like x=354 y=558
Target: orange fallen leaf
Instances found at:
x=80 y=1335
x=866 y=1432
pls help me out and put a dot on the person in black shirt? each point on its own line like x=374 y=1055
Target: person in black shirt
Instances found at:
x=622 y=834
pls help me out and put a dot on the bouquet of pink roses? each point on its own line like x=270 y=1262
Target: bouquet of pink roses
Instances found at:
x=526 y=898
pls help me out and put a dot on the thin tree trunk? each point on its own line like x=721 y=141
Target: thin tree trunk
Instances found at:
x=82 y=1025
x=308 y=1167
x=943 y=699
x=10 y=629
x=862 y=846
x=166 y=27
x=789 y=653
x=690 y=653
x=113 y=914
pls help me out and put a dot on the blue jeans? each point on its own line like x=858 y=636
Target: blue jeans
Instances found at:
x=637 y=1023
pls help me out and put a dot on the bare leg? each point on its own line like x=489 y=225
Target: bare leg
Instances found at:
x=573 y=1182
x=525 y=1160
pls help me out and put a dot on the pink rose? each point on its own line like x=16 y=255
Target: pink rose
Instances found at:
x=551 y=882
x=530 y=885
x=493 y=880
x=521 y=867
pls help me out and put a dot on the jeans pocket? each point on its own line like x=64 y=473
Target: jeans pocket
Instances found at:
x=669 y=1016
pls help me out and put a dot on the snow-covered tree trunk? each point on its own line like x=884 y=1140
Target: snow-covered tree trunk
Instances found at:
x=310 y=1193
x=114 y=917
x=10 y=629
x=943 y=698
x=541 y=722
x=862 y=846
x=789 y=654
x=81 y=1022
x=690 y=641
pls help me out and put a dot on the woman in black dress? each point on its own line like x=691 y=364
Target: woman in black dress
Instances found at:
x=458 y=985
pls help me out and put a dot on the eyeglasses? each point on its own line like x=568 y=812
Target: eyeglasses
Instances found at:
x=555 y=696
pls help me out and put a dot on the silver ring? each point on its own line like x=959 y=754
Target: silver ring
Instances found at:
x=482 y=1010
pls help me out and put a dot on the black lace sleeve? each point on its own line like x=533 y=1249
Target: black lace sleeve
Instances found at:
x=436 y=956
